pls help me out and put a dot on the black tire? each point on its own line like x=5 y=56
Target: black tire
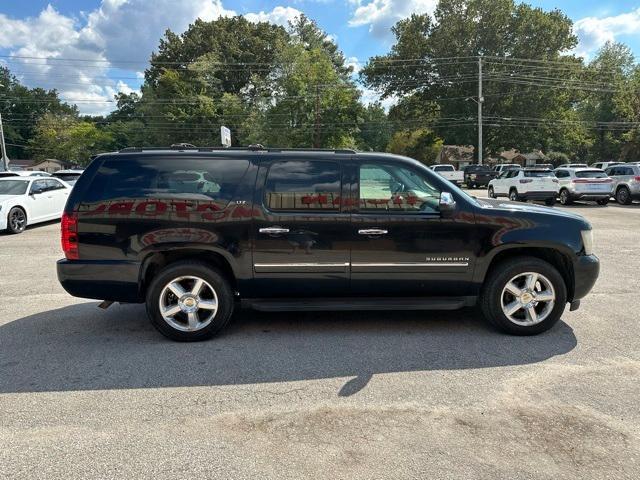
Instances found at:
x=603 y=201
x=565 y=197
x=550 y=202
x=16 y=220
x=513 y=195
x=213 y=277
x=623 y=196
x=497 y=279
x=490 y=192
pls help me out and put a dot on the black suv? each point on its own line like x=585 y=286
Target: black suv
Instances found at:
x=478 y=175
x=196 y=232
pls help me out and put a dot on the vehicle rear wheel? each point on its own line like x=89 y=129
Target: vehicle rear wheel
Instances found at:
x=16 y=220
x=189 y=301
x=565 y=197
x=550 y=202
x=524 y=296
x=603 y=201
x=491 y=193
x=513 y=195
x=623 y=196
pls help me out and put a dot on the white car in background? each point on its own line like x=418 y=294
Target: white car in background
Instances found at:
x=584 y=184
x=24 y=173
x=525 y=184
x=449 y=172
x=28 y=200
x=70 y=176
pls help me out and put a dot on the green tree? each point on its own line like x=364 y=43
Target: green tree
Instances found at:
x=65 y=137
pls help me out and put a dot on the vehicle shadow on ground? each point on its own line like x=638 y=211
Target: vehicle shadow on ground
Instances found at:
x=80 y=347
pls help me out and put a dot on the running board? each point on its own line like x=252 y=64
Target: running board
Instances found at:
x=357 y=303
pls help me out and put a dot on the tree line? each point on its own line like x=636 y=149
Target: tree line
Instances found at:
x=293 y=87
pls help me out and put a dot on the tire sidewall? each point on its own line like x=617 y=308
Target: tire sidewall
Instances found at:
x=490 y=192
x=491 y=301
x=564 y=197
x=213 y=277
x=513 y=193
x=9 y=228
x=625 y=200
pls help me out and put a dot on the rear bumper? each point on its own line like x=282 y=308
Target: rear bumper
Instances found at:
x=586 y=269
x=538 y=195
x=590 y=195
x=101 y=280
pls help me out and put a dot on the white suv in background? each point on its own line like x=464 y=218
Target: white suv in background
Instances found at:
x=525 y=184
x=584 y=184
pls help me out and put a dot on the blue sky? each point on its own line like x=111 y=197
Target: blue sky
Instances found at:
x=104 y=32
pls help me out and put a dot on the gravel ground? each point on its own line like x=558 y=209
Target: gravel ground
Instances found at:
x=87 y=393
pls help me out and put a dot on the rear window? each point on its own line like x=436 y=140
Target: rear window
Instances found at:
x=538 y=173
x=194 y=178
x=444 y=168
x=591 y=174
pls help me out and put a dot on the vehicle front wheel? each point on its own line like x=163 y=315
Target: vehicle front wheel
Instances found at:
x=603 y=201
x=524 y=296
x=550 y=202
x=565 y=197
x=189 y=301
x=491 y=193
x=16 y=220
x=623 y=196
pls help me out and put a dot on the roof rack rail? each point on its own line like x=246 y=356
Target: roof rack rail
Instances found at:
x=253 y=148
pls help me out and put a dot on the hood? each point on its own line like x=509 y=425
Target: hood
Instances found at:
x=505 y=205
x=4 y=198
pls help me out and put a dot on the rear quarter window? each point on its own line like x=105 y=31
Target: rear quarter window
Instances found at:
x=190 y=178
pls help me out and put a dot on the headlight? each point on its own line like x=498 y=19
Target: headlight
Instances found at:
x=587 y=241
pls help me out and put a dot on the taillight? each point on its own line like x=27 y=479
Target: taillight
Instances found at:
x=637 y=178
x=69 y=230
x=526 y=180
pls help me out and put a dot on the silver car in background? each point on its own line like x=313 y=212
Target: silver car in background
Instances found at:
x=626 y=182
x=583 y=184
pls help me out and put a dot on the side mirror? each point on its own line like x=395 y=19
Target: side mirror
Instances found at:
x=447 y=203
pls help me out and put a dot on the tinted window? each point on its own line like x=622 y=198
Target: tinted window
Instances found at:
x=203 y=178
x=591 y=174
x=303 y=185
x=13 y=187
x=67 y=177
x=538 y=173
x=54 y=184
x=626 y=170
x=39 y=185
x=562 y=174
x=444 y=168
x=395 y=188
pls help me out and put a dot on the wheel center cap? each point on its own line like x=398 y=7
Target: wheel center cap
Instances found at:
x=188 y=303
x=526 y=298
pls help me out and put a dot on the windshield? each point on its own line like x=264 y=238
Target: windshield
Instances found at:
x=591 y=174
x=13 y=187
x=538 y=173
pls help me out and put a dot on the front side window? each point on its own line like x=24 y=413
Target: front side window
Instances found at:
x=303 y=185
x=394 y=188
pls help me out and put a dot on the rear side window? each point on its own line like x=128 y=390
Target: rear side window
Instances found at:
x=193 y=178
x=303 y=185
x=591 y=174
x=562 y=174
x=538 y=173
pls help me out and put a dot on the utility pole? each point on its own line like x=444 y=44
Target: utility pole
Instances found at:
x=316 y=140
x=480 y=102
x=5 y=159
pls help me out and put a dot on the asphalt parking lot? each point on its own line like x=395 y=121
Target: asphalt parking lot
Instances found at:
x=87 y=393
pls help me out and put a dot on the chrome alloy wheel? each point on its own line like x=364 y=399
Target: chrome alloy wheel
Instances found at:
x=528 y=299
x=17 y=220
x=188 y=303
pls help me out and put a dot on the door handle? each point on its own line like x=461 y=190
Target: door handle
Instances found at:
x=372 y=231
x=274 y=230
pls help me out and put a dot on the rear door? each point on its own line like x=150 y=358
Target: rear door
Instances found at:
x=58 y=194
x=301 y=230
x=40 y=204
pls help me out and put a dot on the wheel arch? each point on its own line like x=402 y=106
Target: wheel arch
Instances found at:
x=156 y=261
x=557 y=258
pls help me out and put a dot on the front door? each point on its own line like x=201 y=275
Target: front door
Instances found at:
x=300 y=231
x=402 y=246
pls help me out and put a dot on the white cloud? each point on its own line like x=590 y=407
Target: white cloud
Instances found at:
x=115 y=40
x=278 y=16
x=594 y=32
x=381 y=15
